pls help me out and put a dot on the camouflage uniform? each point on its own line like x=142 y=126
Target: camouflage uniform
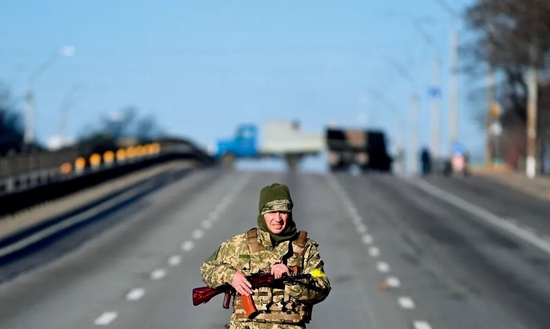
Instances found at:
x=257 y=250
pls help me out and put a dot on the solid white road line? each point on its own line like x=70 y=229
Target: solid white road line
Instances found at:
x=487 y=216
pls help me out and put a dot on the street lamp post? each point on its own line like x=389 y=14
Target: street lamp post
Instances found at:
x=66 y=51
x=399 y=136
x=64 y=112
x=453 y=90
x=413 y=115
x=434 y=91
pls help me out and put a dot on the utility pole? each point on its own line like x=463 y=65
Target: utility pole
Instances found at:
x=413 y=116
x=490 y=103
x=532 y=89
x=63 y=115
x=414 y=133
x=491 y=95
x=436 y=92
x=63 y=123
x=29 y=118
x=28 y=137
x=453 y=93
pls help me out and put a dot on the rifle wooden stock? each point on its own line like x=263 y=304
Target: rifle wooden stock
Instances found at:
x=204 y=294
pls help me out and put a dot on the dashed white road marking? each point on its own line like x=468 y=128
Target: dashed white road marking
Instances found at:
x=374 y=251
x=135 y=294
x=382 y=267
x=158 y=274
x=213 y=216
x=367 y=239
x=197 y=234
x=357 y=220
x=106 y=318
x=422 y=325
x=206 y=224
x=361 y=228
x=406 y=302
x=484 y=214
x=393 y=282
x=174 y=260
x=187 y=245
x=220 y=207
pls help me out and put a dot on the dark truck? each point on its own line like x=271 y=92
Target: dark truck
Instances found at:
x=365 y=149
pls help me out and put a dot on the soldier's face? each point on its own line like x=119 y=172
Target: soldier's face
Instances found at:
x=276 y=221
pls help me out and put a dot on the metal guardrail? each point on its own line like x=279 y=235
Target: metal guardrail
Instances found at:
x=21 y=172
x=35 y=187
x=24 y=163
x=25 y=171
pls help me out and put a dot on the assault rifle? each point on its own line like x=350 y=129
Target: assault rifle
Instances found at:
x=204 y=294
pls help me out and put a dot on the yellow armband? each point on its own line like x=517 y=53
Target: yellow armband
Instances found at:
x=317 y=273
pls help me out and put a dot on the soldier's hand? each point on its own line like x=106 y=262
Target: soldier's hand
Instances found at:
x=278 y=269
x=241 y=284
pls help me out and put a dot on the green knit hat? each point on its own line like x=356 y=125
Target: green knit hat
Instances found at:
x=275 y=197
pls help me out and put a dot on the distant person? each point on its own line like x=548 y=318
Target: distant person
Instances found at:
x=459 y=158
x=426 y=160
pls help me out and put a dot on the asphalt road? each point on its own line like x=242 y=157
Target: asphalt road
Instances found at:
x=400 y=253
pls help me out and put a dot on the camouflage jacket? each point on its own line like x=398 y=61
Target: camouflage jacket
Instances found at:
x=234 y=255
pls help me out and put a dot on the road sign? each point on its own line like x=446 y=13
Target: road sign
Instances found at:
x=496 y=128
x=434 y=92
x=495 y=110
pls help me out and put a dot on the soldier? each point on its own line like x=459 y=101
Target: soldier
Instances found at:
x=275 y=247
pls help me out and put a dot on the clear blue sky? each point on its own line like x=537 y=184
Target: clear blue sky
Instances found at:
x=204 y=67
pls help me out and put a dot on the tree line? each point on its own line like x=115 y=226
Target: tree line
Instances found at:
x=111 y=131
x=509 y=36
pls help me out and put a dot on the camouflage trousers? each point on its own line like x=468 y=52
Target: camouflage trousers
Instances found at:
x=256 y=325
x=234 y=324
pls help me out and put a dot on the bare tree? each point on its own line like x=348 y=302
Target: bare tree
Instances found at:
x=11 y=123
x=119 y=128
x=505 y=31
x=147 y=129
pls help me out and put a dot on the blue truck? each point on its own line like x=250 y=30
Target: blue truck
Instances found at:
x=281 y=139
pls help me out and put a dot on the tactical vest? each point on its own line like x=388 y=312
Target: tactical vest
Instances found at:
x=273 y=305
